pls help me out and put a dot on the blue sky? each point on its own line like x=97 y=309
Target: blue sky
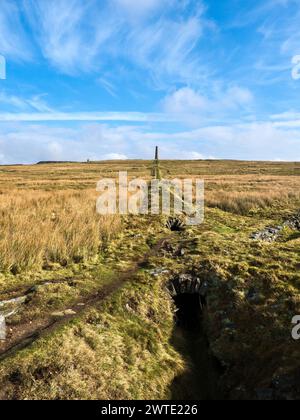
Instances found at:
x=105 y=79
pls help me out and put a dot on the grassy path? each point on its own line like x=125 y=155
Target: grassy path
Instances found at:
x=26 y=334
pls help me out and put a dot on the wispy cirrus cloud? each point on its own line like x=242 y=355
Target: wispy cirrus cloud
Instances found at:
x=14 y=42
x=19 y=104
x=84 y=116
x=69 y=33
x=82 y=37
x=166 y=48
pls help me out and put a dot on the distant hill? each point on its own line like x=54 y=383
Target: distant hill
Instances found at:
x=49 y=162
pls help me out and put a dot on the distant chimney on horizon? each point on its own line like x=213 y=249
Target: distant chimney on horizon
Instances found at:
x=155 y=166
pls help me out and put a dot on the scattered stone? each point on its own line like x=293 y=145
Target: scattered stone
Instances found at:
x=128 y=308
x=2 y=328
x=270 y=234
x=67 y=312
x=159 y=271
x=184 y=284
x=293 y=222
x=58 y=314
x=9 y=308
x=70 y=312
x=13 y=302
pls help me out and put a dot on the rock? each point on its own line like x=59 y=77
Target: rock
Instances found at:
x=58 y=314
x=184 y=284
x=293 y=222
x=13 y=302
x=270 y=234
x=67 y=312
x=2 y=328
x=159 y=271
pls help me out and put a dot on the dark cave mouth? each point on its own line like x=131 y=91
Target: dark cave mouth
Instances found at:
x=200 y=382
x=189 y=311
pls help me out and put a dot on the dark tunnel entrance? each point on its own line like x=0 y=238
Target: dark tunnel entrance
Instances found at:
x=200 y=380
x=189 y=311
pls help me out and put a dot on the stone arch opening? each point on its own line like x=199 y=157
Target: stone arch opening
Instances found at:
x=186 y=291
x=175 y=224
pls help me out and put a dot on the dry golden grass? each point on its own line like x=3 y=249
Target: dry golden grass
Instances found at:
x=39 y=227
x=243 y=202
x=48 y=211
x=242 y=194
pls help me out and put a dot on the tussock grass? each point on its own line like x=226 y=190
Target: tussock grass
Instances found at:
x=243 y=202
x=39 y=227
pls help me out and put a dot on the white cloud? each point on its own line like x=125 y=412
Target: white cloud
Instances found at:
x=24 y=143
x=191 y=106
x=185 y=101
x=288 y=115
x=114 y=156
x=195 y=156
x=237 y=96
